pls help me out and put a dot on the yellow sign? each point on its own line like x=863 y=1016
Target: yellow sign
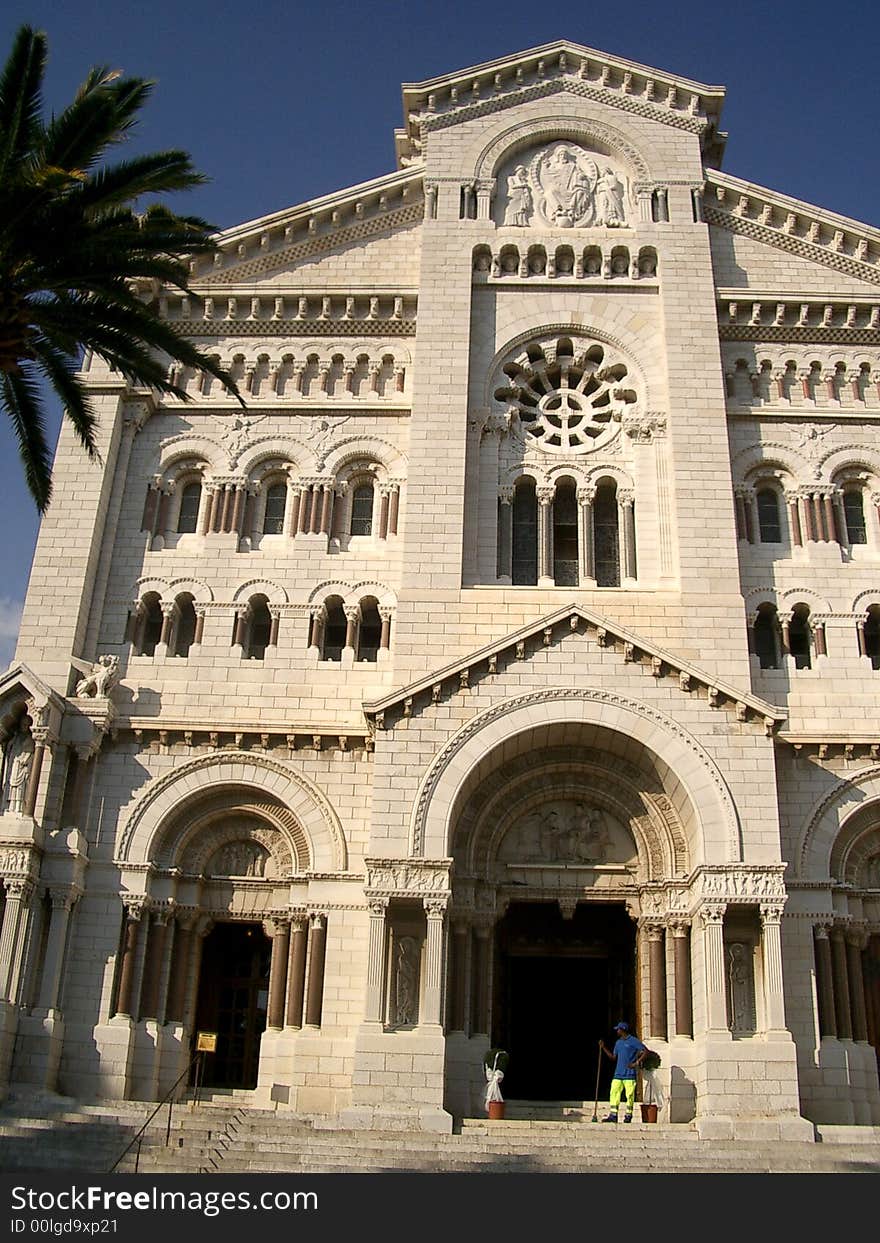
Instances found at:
x=206 y=1042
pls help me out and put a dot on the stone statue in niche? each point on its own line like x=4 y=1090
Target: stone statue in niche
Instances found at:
x=519 y=197
x=609 y=199
x=98 y=683
x=17 y=761
x=239 y=859
x=740 y=987
x=406 y=982
x=567 y=186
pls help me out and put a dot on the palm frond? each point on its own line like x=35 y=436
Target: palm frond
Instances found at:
x=21 y=98
x=150 y=174
x=99 y=117
x=20 y=398
x=59 y=367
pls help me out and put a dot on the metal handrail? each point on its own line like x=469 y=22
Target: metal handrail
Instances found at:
x=167 y=1099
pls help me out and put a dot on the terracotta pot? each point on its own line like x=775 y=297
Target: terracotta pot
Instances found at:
x=649 y=1113
x=496 y=1110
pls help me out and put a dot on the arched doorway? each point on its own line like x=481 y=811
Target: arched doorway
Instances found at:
x=233 y=1001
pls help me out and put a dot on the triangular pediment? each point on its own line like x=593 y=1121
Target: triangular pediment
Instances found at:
x=20 y=683
x=573 y=623
x=561 y=66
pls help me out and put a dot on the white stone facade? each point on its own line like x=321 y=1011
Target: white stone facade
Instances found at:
x=526 y=623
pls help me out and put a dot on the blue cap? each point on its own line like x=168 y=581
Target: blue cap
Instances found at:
x=621 y=1027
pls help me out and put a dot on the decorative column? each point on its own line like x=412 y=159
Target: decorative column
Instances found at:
x=274 y=624
x=241 y=616
x=315 y=516
x=458 y=979
x=657 y=980
x=296 y=971
x=13 y=935
x=385 y=634
x=545 y=496
x=504 y=569
x=168 y=610
x=302 y=521
x=435 y=961
x=199 y=610
x=40 y=735
x=318 y=939
x=825 y=983
x=162 y=511
x=206 y=517
x=180 y=974
x=278 y=973
x=480 y=981
x=291 y=508
x=319 y=616
x=587 y=568
x=681 y=956
x=376 y=961
x=393 y=508
x=855 y=943
x=133 y=912
x=794 y=518
x=352 y=616
x=157 y=931
x=842 y=1011
x=771 y=949
x=712 y=916
x=382 y=525
x=63 y=901
x=238 y=509
x=326 y=507
x=626 y=510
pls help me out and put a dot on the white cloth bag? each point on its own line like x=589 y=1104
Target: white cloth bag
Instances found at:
x=493 y=1080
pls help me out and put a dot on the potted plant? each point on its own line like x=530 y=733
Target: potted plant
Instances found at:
x=652 y=1097
x=495 y=1064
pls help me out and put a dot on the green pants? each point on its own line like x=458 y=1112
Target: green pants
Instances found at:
x=618 y=1088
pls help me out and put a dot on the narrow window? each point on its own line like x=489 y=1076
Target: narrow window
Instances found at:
x=151 y=629
x=185 y=629
x=766 y=632
x=334 y=630
x=369 y=630
x=769 y=524
x=565 y=535
x=276 y=503
x=525 y=534
x=606 y=535
x=872 y=636
x=854 y=515
x=259 y=627
x=190 y=501
x=799 y=636
x=362 y=510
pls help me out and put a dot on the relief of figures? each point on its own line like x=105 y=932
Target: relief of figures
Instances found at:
x=568 y=188
x=407 y=955
x=239 y=859
x=17 y=759
x=567 y=831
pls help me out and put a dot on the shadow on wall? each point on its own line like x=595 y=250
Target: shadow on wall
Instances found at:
x=682 y=1097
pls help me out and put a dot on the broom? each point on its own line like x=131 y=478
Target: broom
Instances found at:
x=595 y=1117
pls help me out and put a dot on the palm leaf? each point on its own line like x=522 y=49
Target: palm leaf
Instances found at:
x=21 y=97
x=21 y=401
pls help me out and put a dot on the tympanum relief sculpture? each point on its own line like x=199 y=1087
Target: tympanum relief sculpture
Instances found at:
x=241 y=859
x=566 y=187
x=567 y=831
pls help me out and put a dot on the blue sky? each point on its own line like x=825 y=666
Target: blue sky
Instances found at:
x=281 y=102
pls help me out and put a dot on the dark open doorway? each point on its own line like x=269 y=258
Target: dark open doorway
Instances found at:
x=232 y=1001
x=560 y=985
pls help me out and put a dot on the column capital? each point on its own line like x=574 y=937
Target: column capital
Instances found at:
x=64 y=899
x=586 y=495
x=318 y=919
x=435 y=908
x=771 y=913
x=712 y=913
x=277 y=926
x=679 y=927
x=18 y=887
x=545 y=493
x=135 y=906
x=377 y=906
x=821 y=931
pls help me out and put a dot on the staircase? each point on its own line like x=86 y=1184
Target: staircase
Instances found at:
x=226 y=1136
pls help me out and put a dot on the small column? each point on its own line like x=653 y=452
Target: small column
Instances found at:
x=129 y=959
x=860 y=637
x=352 y=616
x=157 y=931
x=794 y=519
x=585 y=498
x=41 y=737
x=207 y=515
x=818 y=516
x=657 y=980
x=162 y=512
x=296 y=971
x=168 y=609
x=681 y=953
x=383 y=512
x=460 y=945
x=376 y=961
x=241 y=616
x=825 y=983
x=318 y=939
x=855 y=942
x=278 y=972
x=237 y=509
x=545 y=535
x=842 y=1011
x=771 y=948
x=626 y=503
x=393 y=508
x=326 y=508
x=315 y=515
x=480 y=982
x=316 y=638
x=504 y=568
x=385 y=633
x=712 y=917
x=199 y=610
x=291 y=509
x=63 y=901
x=435 y=961
x=302 y=521
x=181 y=958
x=13 y=936
x=274 y=624
x=830 y=517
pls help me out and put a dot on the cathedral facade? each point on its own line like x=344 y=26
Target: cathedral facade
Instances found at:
x=506 y=668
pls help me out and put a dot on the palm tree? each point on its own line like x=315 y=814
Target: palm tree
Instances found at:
x=73 y=248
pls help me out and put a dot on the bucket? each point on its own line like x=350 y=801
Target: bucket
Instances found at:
x=496 y=1110
x=649 y=1113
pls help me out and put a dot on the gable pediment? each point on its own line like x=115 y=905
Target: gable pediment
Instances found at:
x=572 y=624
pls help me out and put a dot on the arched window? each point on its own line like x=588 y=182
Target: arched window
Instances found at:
x=258 y=629
x=276 y=504
x=335 y=628
x=185 y=626
x=151 y=625
x=769 y=524
x=565 y=535
x=606 y=535
x=190 y=503
x=872 y=635
x=799 y=636
x=854 y=516
x=362 y=510
x=525 y=534
x=369 y=630
x=766 y=635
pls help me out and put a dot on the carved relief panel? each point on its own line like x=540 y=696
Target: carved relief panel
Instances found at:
x=565 y=186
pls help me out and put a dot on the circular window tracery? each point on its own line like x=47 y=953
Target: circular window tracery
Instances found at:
x=567 y=401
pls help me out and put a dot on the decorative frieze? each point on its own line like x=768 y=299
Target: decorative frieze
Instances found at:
x=404 y=877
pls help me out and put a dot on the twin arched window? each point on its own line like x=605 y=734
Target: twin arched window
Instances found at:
x=361 y=629
x=795 y=635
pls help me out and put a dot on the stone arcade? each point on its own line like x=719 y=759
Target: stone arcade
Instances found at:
x=509 y=666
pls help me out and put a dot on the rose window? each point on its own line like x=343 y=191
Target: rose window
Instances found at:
x=567 y=401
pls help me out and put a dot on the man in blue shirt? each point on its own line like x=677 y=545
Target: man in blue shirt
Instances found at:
x=628 y=1052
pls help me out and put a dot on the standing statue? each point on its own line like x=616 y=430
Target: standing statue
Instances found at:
x=609 y=199
x=406 y=982
x=16 y=771
x=97 y=683
x=568 y=187
x=519 y=197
